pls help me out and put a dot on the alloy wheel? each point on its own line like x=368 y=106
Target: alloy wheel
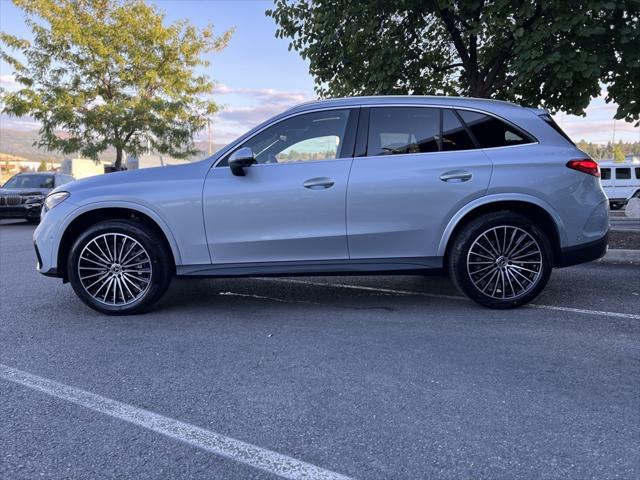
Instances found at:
x=504 y=262
x=115 y=269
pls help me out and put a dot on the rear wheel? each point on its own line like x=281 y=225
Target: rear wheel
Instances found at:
x=501 y=260
x=119 y=267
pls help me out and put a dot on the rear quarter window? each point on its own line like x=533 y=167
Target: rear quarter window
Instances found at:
x=491 y=132
x=605 y=174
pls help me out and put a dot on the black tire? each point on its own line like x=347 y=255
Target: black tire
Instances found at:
x=151 y=270
x=33 y=221
x=466 y=260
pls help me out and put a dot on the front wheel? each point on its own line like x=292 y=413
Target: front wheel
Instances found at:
x=119 y=267
x=501 y=260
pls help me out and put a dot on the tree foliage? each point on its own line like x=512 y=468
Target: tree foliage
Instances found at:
x=101 y=73
x=550 y=53
x=606 y=152
x=618 y=153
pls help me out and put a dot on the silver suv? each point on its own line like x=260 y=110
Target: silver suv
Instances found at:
x=493 y=193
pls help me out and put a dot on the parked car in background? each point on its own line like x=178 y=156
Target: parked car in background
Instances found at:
x=493 y=193
x=22 y=195
x=620 y=182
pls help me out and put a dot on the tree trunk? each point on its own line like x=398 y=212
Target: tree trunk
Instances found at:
x=118 y=165
x=476 y=86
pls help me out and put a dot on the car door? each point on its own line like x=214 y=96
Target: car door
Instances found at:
x=413 y=177
x=290 y=205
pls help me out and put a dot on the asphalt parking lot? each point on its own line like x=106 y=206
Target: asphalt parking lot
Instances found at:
x=365 y=377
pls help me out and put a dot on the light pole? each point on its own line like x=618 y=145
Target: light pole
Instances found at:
x=209 y=135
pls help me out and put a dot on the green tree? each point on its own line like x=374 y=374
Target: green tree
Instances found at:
x=552 y=53
x=618 y=153
x=43 y=166
x=103 y=73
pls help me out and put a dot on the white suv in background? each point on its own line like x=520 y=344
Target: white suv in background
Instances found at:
x=620 y=182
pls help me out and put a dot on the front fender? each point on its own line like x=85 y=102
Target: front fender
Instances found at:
x=88 y=207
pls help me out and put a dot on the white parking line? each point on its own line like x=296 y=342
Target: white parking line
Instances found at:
x=236 y=450
x=263 y=297
x=632 y=316
x=363 y=287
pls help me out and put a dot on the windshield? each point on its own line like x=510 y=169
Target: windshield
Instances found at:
x=30 y=181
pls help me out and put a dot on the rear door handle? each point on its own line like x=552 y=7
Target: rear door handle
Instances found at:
x=456 y=176
x=319 y=183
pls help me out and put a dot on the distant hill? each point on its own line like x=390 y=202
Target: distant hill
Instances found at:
x=7 y=157
x=19 y=143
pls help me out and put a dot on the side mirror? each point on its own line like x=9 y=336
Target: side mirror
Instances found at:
x=240 y=159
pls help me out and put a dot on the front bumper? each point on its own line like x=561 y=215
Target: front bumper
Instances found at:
x=587 y=252
x=26 y=210
x=51 y=272
x=46 y=238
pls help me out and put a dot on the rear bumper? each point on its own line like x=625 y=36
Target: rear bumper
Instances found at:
x=587 y=252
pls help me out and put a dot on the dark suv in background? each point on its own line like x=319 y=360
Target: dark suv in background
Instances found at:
x=23 y=194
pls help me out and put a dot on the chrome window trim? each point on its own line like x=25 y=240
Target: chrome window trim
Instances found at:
x=535 y=141
x=327 y=160
x=471 y=109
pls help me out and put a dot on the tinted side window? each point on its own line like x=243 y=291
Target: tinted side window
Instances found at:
x=638 y=173
x=605 y=174
x=454 y=134
x=491 y=132
x=623 y=173
x=398 y=130
x=307 y=137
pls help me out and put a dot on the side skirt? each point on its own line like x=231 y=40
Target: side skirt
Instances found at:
x=381 y=266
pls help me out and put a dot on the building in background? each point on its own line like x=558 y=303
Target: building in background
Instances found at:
x=82 y=167
x=149 y=160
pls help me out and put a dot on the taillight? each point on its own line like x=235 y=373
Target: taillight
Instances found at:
x=585 y=165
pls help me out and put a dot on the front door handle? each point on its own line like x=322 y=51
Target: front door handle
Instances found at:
x=456 y=176
x=319 y=183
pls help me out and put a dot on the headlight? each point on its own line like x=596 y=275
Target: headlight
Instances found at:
x=54 y=199
x=34 y=199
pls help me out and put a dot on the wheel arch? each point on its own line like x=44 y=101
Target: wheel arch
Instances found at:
x=94 y=213
x=531 y=207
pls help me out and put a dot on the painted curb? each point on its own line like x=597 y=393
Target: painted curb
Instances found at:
x=619 y=255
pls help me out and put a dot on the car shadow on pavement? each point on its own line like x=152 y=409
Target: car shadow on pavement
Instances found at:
x=374 y=293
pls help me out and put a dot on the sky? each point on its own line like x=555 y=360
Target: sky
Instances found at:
x=258 y=77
